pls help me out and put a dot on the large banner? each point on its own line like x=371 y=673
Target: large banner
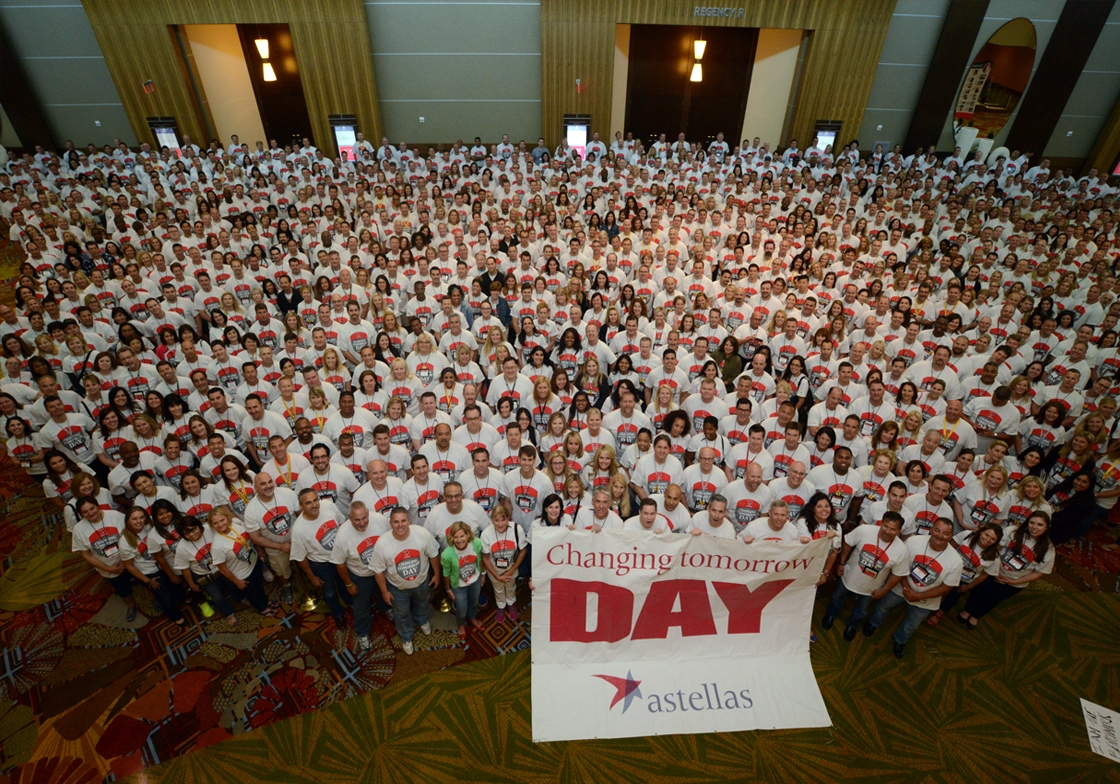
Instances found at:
x=639 y=635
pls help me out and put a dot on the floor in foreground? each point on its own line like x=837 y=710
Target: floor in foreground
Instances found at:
x=1000 y=704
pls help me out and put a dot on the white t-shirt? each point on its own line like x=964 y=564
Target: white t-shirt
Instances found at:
x=928 y=569
x=273 y=518
x=314 y=539
x=235 y=550
x=871 y=561
x=503 y=547
x=101 y=539
x=405 y=564
x=355 y=548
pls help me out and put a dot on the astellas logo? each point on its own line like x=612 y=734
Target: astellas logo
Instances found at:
x=710 y=697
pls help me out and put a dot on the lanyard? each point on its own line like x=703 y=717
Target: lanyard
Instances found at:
x=288 y=466
x=242 y=493
x=945 y=434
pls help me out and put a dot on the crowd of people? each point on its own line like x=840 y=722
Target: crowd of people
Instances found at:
x=372 y=378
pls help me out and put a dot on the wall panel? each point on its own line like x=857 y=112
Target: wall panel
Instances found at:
x=66 y=75
x=1096 y=92
x=330 y=39
x=577 y=41
x=469 y=68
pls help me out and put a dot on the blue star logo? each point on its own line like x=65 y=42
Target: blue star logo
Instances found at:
x=627 y=689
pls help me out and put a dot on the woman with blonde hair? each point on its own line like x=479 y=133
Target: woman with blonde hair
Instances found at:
x=592 y=380
x=398 y=421
x=910 y=431
x=147 y=434
x=574 y=452
x=402 y=384
x=463 y=574
x=238 y=562
x=661 y=405
x=619 y=491
x=983 y=500
x=602 y=466
x=333 y=371
x=575 y=496
x=1027 y=497
x=488 y=351
x=557 y=470
x=319 y=409
x=544 y=405
x=553 y=434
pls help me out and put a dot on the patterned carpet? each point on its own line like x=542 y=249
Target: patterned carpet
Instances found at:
x=996 y=705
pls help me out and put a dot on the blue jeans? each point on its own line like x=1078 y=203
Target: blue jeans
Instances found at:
x=168 y=595
x=839 y=597
x=329 y=575
x=466 y=601
x=411 y=608
x=910 y=624
x=254 y=588
x=214 y=589
x=526 y=568
x=362 y=603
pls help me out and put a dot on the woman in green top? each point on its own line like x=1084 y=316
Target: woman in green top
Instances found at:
x=463 y=575
x=729 y=362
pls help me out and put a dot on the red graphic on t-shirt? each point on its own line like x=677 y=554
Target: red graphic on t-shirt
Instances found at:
x=326 y=534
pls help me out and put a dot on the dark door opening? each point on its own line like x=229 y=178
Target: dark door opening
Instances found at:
x=282 y=104
x=660 y=97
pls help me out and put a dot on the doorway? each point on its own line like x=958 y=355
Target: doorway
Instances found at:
x=662 y=98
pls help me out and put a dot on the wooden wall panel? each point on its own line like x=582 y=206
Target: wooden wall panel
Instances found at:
x=577 y=41
x=331 y=41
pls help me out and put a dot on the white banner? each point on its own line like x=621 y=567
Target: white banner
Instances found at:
x=639 y=635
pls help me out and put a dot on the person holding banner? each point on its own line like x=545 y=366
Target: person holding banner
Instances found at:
x=935 y=569
x=713 y=521
x=599 y=517
x=881 y=561
x=817 y=521
x=648 y=520
x=775 y=527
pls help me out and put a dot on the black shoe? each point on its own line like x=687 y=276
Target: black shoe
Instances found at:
x=868 y=629
x=850 y=633
x=899 y=650
x=826 y=622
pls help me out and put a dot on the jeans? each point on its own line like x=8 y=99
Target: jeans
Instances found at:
x=122 y=584
x=411 y=608
x=329 y=575
x=526 y=568
x=839 y=597
x=254 y=588
x=466 y=601
x=909 y=625
x=218 y=598
x=168 y=595
x=987 y=595
x=362 y=603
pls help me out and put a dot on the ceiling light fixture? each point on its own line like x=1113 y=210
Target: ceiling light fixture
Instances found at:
x=262 y=47
x=698 y=47
x=269 y=74
x=697 y=73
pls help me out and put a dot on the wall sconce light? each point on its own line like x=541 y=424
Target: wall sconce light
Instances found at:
x=697 y=46
x=269 y=73
x=697 y=73
x=262 y=47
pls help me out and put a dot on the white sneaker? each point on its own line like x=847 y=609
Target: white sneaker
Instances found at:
x=426 y=628
x=407 y=646
x=363 y=643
